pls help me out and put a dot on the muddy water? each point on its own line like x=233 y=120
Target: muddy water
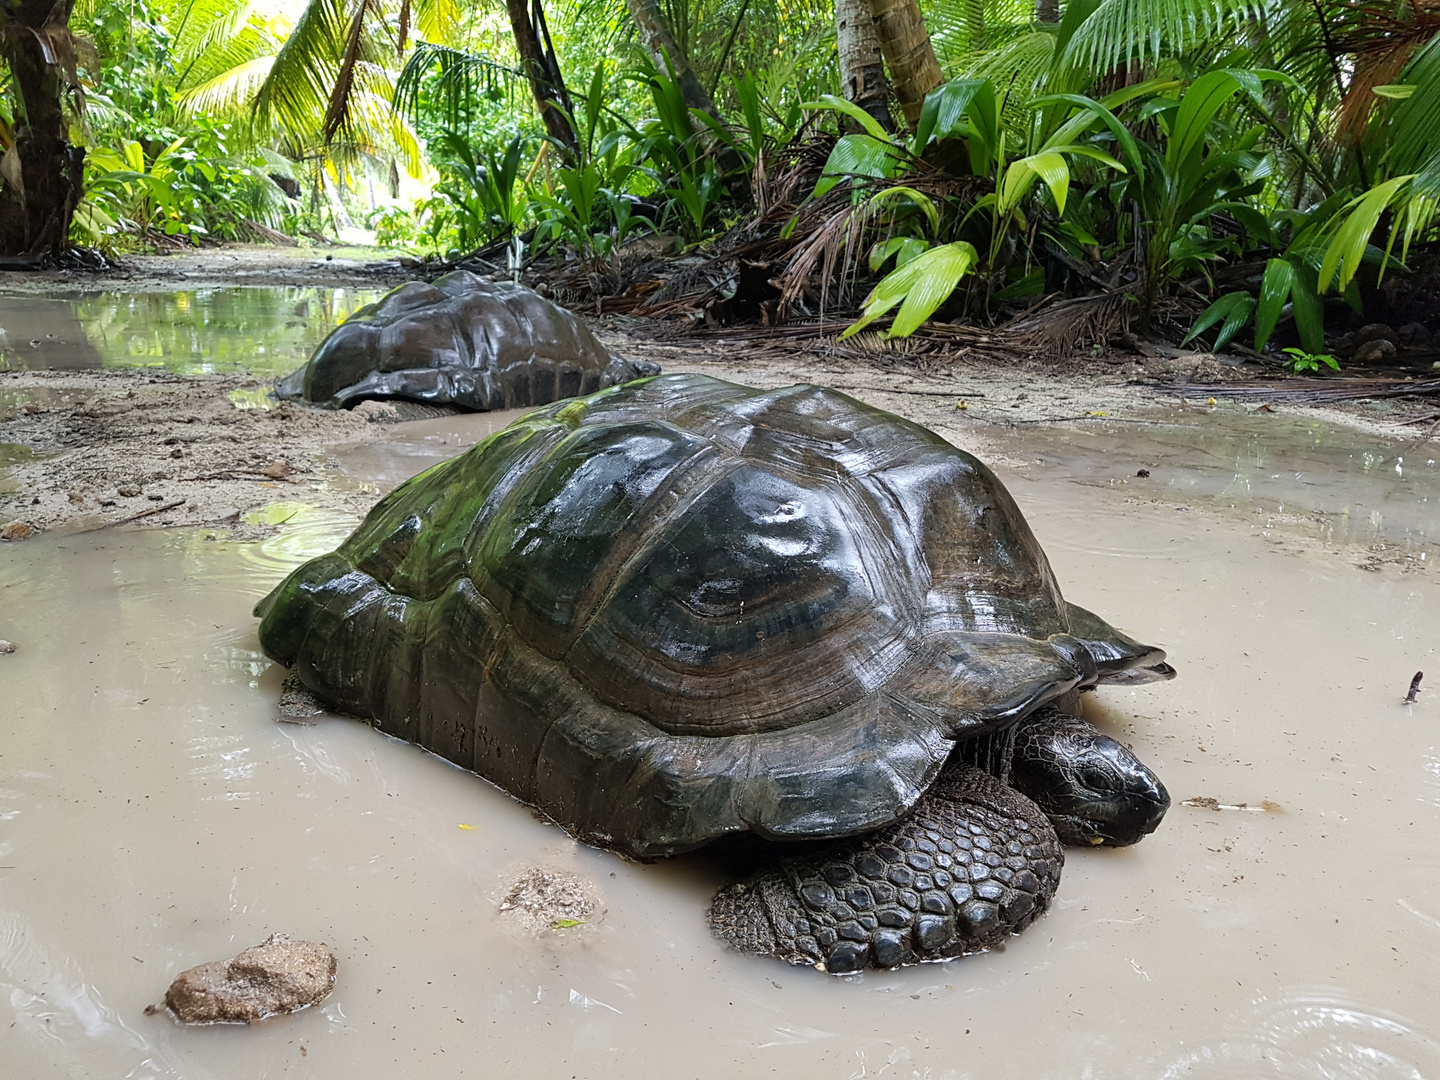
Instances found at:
x=1347 y=488
x=262 y=330
x=153 y=816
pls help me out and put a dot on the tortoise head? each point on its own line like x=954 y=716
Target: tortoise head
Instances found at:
x=1092 y=788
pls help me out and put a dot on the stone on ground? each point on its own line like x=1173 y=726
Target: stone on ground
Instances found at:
x=281 y=975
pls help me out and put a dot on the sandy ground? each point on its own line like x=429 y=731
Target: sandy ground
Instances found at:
x=101 y=449
x=238 y=264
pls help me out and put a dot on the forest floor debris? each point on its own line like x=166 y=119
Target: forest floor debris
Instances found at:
x=542 y=899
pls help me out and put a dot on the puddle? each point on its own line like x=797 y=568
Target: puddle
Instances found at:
x=266 y=331
x=153 y=816
x=415 y=445
x=11 y=454
x=1353 y=488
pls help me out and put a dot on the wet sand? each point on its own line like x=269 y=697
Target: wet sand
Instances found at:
x=154 y=815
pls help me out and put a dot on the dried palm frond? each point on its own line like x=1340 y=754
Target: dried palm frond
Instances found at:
x=1067 y=325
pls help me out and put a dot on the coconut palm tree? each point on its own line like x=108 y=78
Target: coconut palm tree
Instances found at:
x=41 y=170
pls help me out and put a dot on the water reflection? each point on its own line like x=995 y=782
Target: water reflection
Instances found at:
x=265 y=331
x=305 y=531
x=1333 y=483
x=1314 y=1035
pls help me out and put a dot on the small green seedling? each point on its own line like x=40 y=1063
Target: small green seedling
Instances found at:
x=566 y=924
x=1300 y=360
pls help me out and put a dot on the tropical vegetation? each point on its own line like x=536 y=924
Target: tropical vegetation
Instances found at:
x=1238 y=171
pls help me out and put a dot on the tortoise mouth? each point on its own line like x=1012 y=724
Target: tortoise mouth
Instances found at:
x=1093 y=789
x=1111 y=820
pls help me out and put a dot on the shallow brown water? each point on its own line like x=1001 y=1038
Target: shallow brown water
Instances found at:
x=154 y=816
x=1348 y=487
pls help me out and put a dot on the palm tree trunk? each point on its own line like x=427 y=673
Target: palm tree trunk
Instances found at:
x=905 y=43
x=542 y=70
x=668 y=56
x=1047 y=11
x=43 y=175
x=862 y=70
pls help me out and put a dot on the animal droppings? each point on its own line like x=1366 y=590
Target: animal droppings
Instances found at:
x=543 y=899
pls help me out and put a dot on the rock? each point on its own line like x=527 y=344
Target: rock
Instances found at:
x=378 y=412
x=282 y=975
x=16 y=530
x=1374 y=351
x=1415 y=335
x=542 y=899
x=101 y=406
x=129 y=491
x=1375 y=332
x=297 y=705
x=278 y=470
x=7 y=647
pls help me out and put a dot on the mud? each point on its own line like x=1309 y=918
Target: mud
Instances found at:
x=141 y=448
x=546 y=900
x=152 y=813
x=233 y=264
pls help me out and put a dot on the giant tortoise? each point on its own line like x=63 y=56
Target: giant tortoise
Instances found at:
x=461 y=341
x=680 y=609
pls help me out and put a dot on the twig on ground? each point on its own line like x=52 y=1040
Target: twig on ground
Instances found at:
x=136 y=517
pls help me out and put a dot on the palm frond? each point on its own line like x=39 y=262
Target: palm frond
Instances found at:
x=1142 y=31
x=461 y=80
x=438 y=20
x=301 y=81
x=360 y=48
x=1021 y=67
x=1414 y=134
x=229 y=92
x=198 y=25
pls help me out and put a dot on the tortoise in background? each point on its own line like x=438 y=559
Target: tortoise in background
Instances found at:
x=681 y=608
x=459 y=341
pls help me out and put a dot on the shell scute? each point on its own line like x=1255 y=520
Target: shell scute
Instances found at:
x=734 y=618
x=546 y=556
x=681 y=608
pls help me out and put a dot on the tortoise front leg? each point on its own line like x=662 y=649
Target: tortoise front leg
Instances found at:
x=973 y=863
x=1093 y=789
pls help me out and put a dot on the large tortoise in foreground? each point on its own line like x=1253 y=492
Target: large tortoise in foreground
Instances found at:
x=680 y=609
x=462 y=341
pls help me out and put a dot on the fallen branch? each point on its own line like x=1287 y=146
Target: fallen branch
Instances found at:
x=136 y=517
x=1334 y=390
x=274 y=236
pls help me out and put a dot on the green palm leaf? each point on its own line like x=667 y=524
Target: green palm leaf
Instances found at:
x=919 y=287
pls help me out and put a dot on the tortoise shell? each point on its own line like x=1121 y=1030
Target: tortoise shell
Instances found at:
x=681 y=608
x=463 y=341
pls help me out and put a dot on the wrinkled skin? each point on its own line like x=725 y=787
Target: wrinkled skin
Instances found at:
x=681 y=609
x=975 y=863
x=1094 y=790
x=460 y=341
